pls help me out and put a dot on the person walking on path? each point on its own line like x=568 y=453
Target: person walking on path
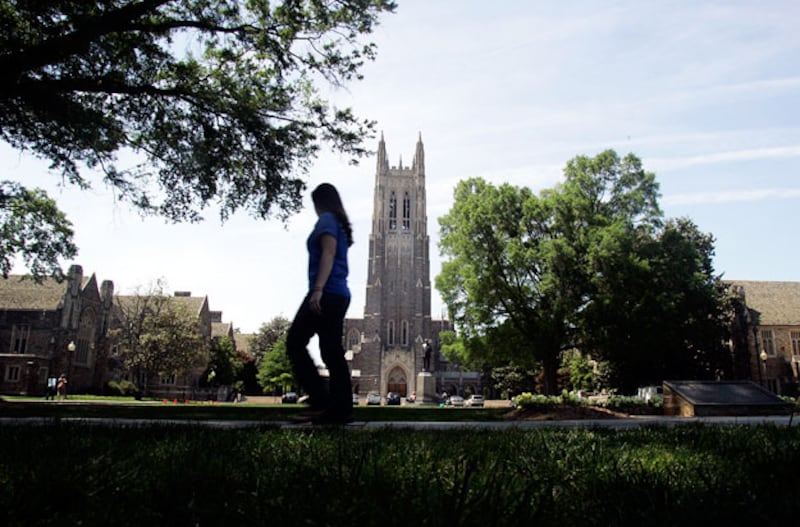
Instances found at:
x=61 y=387
x=322 y=313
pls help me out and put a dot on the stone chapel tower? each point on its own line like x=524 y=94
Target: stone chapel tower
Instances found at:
x=387 y=344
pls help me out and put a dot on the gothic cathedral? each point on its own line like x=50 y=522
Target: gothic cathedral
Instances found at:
x=396 y=339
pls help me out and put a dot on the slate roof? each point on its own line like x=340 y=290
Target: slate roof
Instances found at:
x=193 y=303
x=243 y=341
x=18 y=294
x=774 y=303
x=220 y=329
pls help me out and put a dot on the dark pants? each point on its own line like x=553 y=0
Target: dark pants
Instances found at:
x=328 y=326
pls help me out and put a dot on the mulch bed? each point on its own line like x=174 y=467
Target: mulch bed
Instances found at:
x=565 y=413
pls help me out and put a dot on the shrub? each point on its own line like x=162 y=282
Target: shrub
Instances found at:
x=122 y=387
x=530 y=401
x=634 y=405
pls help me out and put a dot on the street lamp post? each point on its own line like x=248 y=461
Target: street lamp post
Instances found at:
x=71 y=351
x=763 y=358
x=755 y=345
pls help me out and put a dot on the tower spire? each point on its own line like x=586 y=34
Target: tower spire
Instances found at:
x=419 y=158
x=383 y=163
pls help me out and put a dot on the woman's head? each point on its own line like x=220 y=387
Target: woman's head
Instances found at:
x=326 y=199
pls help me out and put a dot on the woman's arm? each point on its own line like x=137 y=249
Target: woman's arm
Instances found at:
x=328 y=245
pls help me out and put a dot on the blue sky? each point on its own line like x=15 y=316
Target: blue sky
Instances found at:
x=705 y=93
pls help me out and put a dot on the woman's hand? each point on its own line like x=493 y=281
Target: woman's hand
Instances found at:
x=314 y=301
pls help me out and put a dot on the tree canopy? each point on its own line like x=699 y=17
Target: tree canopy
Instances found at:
x=268 y=345
x=183 y=104
x=32 y=227
x=590 y=265
x=157 y=334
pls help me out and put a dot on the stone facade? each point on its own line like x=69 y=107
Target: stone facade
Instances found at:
x=178 y=386
x=767 y=333
x=387 y=347
x=38 y=324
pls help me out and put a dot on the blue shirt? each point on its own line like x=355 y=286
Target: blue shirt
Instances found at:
x=337 y=281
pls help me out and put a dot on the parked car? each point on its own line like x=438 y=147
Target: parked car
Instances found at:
x=356 y=400
x=289 y=398
x=373 y=398
x=392 y=398
x=474 y=400
x=455 y=400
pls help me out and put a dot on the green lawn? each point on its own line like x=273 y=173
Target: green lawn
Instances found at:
x=188 y=475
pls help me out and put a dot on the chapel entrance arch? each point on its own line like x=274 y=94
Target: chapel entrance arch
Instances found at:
x=398 y=381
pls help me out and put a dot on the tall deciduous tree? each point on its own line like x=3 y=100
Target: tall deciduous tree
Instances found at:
x=590 y=265
x=658 y=311
x=158 y=335
x=269 y=347
x=214 y=101
x=268 y=334
x=224 y=363
x=275 y=369
x=497 y=283
x=32 y=227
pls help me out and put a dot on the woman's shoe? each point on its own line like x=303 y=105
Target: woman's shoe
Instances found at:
x=332 y=418
x=308 y=416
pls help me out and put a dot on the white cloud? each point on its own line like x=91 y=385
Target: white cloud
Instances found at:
x=750 y=154
x=731 y=196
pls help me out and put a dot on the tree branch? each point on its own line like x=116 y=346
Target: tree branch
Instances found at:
x=56 y=49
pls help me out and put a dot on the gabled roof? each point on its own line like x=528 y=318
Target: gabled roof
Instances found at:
x=243 y=341
x=19 y=293
x=221 y=329
x=772 y=303
x=194 y=304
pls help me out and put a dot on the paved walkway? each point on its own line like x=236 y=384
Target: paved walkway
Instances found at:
x=617 y=424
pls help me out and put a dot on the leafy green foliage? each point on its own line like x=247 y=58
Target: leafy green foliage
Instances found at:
x=268 y=345
x=275 y=370
x=157 y=334
x=179 y=104
x=218 y=97
x=33 y=229
x=224 y=363
x=267 y=335
x=122 y=388
x=588 y=265
x=510 y=380
x=581 y=371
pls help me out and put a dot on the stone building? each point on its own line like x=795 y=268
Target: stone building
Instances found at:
x=388 y=346
x=183 y=385
x=767 y=333
x=51 y=328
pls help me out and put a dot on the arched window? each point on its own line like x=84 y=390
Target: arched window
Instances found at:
x=404 y=333
x=390 y=333
x=406 y=212
x=393 y=211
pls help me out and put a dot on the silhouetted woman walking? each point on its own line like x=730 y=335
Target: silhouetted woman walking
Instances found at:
x=322 y=312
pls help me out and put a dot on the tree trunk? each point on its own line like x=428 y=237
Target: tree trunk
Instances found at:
x=550 y=375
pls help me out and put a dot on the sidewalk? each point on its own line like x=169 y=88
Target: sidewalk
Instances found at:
x=616 y=424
